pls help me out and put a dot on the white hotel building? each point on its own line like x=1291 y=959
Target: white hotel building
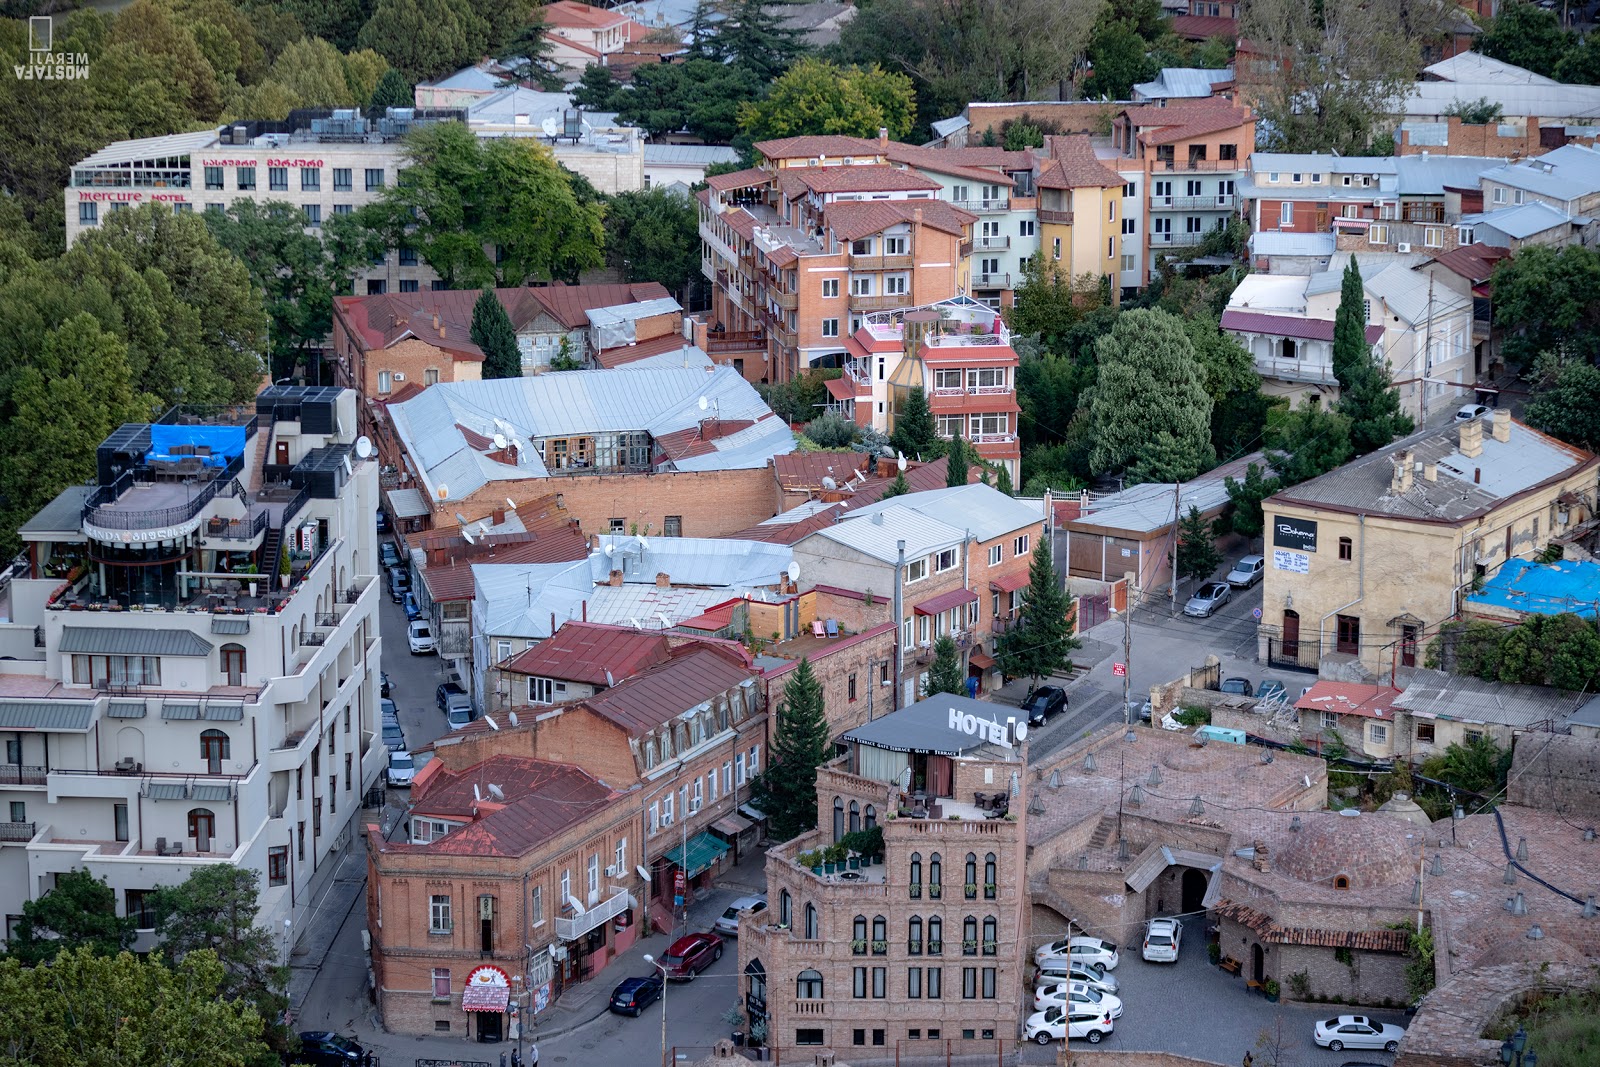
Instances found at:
x=168 y=698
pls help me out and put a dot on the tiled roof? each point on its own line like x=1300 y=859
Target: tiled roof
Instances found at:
x=1074 y=165
x=570 y=304
x=695 y=673
x=853 y=219
x=948 y=161
x=739 y=179
x=805 y=470
x=1288 y=326
x=381 y=321
x=815 y=147
x=542 y=800
x=1192 y=118
x=1269 y=930
x=588 y=651
x=1204 y=27
x=1350 y=698
x=1474 y=262
x=625 y=354
x=569 y=13
x=545 y=542
x=872 y=178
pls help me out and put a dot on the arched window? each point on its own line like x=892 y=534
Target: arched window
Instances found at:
x=858 y=936
x=969 y=936
x=855 y=816
x=233 y=663
x=935 y=935
x=756 y=985
x=935 y=877
x=914 y=936
x=991 y=935
x=811 y=930
x=1341 y=881
x=970 y=876
x=880 y=935
x=202 y=827
x=785 y=909
x=916 y=875
x=990 y=882
x=838 y=818
x=214 y=748
x=808 y=986
x=870 y=819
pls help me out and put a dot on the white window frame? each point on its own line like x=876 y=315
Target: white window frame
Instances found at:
x=916 y=570
x=830 y=288
x=439 y=914
x=538 y=905
x=945 y=559
x=1020 y=545
x=996 y=554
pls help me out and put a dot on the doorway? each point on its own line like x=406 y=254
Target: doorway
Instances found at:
x=1291 y=634
x=1258 y=963
x=1194 y=890
x=1408 y=645
x=489 y=1028
x=280 y=454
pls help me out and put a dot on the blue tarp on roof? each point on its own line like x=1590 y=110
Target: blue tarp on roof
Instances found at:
x=225 y=442
x=1565 y=587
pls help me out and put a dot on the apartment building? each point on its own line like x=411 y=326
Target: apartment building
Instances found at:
x=927 y=943
x=1083 y=221
x=190 y=661
x=1563 y=185
x=1188 y=158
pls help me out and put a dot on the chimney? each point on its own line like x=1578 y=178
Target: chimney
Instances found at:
x=1430 y=472
x=663 y=580
x=499 y=517
x=1501 y=427
x=435 y=320
x=615 y=579
x=883 y=138
x=436 y=557
x=1472 y=438
x=1401 y=482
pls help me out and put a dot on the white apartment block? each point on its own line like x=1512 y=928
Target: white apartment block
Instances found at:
x=168 y=698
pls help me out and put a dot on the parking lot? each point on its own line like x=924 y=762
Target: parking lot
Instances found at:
x=1193 y=1008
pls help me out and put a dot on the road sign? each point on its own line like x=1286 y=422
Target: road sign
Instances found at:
x=677 y=880
x=1119 y=670
x=1256 y=612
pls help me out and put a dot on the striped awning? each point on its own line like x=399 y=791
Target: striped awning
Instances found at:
x=222 y=712
x=45 y=715
x=167 y=791
x=213 y=792
x=130 y=641
x=222 y=624
x=179 y=712
x=127 y=709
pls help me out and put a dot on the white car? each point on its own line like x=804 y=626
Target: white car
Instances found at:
x=1357 y=1031
x=420 y=637
x=1247 y=572
x=1468 y=412
x=1096 y=954
x=402 y=769
x=728 y=924
x=1053 y=1024
x=1162 y=939
x=1055 y=974
x=1078 y=995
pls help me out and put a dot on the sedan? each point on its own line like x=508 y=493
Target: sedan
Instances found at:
x=393 y=737
x=445 y=691
x=1207 y=599
x=634 y=995
x=1246 y=572
x=1271 y=690
x=409 y=603
x=388 y=555
x=1079 y=995
x=1238 y=686
x=324 y=1048
x=1468 y=412
x=1090 y=951
x=420 y=638
x=1053 y=1024
x=728 y=923
x=402 y=769
x=688 y=956
x=1357 y=1031
x=1043 y=702
x=1056 y=974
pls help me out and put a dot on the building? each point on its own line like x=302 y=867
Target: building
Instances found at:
x=1366 y=560
x=465 y=87
x=580 y=660
x=980 y=120
x=890 y=958
x=1362 y=716
x=190 y=667
x=683 y=164
x=515 y=880
x=1438 y=710
x=1082 y=214
x=1271 y=316
x=670 y=450
x=949 y=561
x=1206 y=19
x=1184 y=83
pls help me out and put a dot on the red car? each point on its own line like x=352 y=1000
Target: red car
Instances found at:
x=690 y=955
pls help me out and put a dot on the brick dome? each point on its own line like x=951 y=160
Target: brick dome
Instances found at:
x=1340 y=851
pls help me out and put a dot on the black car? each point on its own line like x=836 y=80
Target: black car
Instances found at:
x=443 y=694
x=1238 y=687
x=1043 y=702
x=383 y=522
x=324 y=1048
x=634 y=995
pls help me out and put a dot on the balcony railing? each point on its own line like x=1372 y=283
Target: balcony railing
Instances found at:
x=1296 y=370
x=880 y=303
x=237 y=529
x=992 y=438
x=991 y=244
x=1196 y=164
x=106 y=508
x=789 y=300
x=17 y=831
x=984 y=206
x=880 y=262
x=16 y=774
x=735 y=341
x=605 y=911
x=1176 y=240
x=991 y=281
x=1219 y=202
x=1063 y=218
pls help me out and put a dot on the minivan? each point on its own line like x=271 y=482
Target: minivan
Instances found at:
x=399 y=584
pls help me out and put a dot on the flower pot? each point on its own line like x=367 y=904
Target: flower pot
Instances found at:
x=827 y=868
x=817 y=869
x=855 y=863
x=1272 y=998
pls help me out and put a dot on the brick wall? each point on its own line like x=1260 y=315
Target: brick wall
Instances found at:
x=1075 y=116
x=1446 y=1031
x=1559 y=773
x=1374 y=978
x=834 y=663
x=1486 y=140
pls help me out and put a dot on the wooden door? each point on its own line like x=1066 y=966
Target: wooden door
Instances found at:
x=1291 y=635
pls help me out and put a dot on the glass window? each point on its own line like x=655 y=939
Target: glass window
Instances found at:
x=313 y=214
x=812 y=930
x=278 y=865
x=310 y=179
x=374 y=178
x=244 y=178
x=808 y=984
x=441 y=983
x=88 y=212
x=341 y=180
x=213 y=177
x=439 y=914
x=408 y=256
x=278 y=178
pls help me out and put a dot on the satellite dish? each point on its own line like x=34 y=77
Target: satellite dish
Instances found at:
x=572 y=902
x=901 y=457
x=492 y=725
x=643 y=874
x=496 y=792
x=550 y=126
x=443 y=491
x=643 y=541
x=829 y=483
x=611 y=550
x=461 y=520
x=666 y=623
x=635 y=622
x=466 y=535
x=511 y=504
x=499 y=440
x=363 y=448
x=704 y=403
x=793 y=571
x=512 y=716
x=483 y=527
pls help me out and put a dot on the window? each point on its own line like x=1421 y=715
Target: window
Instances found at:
x=755 y=759
x=894 y=246
x=213 y=178
x=408 y=257
x=858 y=984
x=313 y=214
x=969 y=936
x=830 y=288
x=1516 y=197
x=1349 y=634
x=1330 y=720
x=441 y=983
x=672 y=526
x=1025 y=228
x=808 y=984
x=945 y=560
x=880 y=988
x=119 y=817
x=1346 y=550
x=1055 y=247
x=1378 y=235
x=214 y=748
x=933 y=978
x=991 y=936
x=935 y=935
x=310 y=179
x=376 y=286
x=916 y=570
x=202 y=827
x=1286 y=214
x=914 y=983
x=812 y=930
x=861 y=247
x=808 y=1035
x=830 y=327
x=995 y=554
x=104 y=671
x=408 y=285
x=374 y=178
x=278 y=865
x=1296 y=179
x=19 y=811
x=245 y=178
x=439 y=914
x=850 y=687
x=900 y=284
x=969 y=983
x=1341 y=881
x=1425 y=733
x=1433 y=236
x=139 y=905
x=861 y=285
x=935 y=877
x=988 y=984
x=88 y=212
x=341 y=180
x=1019 y=546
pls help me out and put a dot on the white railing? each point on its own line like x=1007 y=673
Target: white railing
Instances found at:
x=605 y=911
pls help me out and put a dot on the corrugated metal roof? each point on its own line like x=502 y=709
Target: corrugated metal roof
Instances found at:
x=222 y=624
x=1477 y=67
x=173 y=144
x=981 y=510
x=661 y=693
x=1437 y=695
x=639 y=309
x=1412 y=295
x=127 y=709
x=691 y=560
x=58 y=715
x=877 y=536
x=1318 y=163
x=407 y=503
x=213 y=793
x=180 y=712
x=591 y=653
x=689 y=154
x=167 y=791
x=1181 y=82
x=1429 y=175
x=1281 y=243
x=223 y=711
x=1552 y=104
x=133 y=641
x=63 y=515
x=1520 y=222
x=1567 y=173
x=1149 y=507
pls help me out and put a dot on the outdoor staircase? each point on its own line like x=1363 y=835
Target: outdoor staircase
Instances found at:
x=1102 y=832
x=271 y=552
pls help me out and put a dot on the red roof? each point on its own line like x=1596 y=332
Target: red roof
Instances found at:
x=542 y=800
x=589 y=651
x=815 y=147
x=550 y=538
x=1075 y=165
x=1204 y=27
x=1008 y=583
x=805 y=470
x=713 y=619
x=872 y=178
x=853 y=219
x=945 y=601
x=1191 y=118
x=1474 y=262
x=624 y=354
x=1288 y=326
x=694 y=674
x=1350 y=698
x=949 y=161
x=573 y=15
x=739 y=179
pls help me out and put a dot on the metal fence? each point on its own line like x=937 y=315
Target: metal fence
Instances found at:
x=952 y=1052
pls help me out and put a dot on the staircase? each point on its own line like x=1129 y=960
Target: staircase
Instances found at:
x=1102 y=832
x=271 y=553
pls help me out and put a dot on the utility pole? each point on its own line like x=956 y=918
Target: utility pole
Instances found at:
x=1177 y=493
x=1127 y=656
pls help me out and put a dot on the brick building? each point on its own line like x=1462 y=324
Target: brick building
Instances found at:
x=514 y=880
x=927 y=944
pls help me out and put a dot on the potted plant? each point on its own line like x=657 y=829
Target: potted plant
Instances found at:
x=858 y=946
x=1270 y=988
x=283 y=566
x=990 y=890
x=1214 y=951
x=971 y=890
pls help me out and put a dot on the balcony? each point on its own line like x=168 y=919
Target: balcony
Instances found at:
x=1296 y=370
x=817 y=1008
x=782 y=334
x=880 y=262
x=735 y=341
x=992 y=438
x=12 y=774
x=1062 y=218
x=17 y=831
x=984 y=207
x=1175 y=240
x=991 y=244
x=166 y=496
x=882 y=302
x=604 y=912
x=1195 y=165
x=991 y=281
x=1219 y=202
x=789 y=300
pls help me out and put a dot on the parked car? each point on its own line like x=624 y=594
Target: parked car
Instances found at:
x=402 y=769
x=393 y=737
x=420 y=637
x=1078 y=994
x=383 y=684
x=1054 y=1024
x=1091 y=951
x=383 y=521
x=459 y=716
x=1207 y=599
x=324 y=1048
x=399 y=584
x=1271 y=690
x=634 y=995
x=688 y=956
x=1162 y=939
x=388 y=555
x=1468 y=412
x=1238 y=687
x=1247 y=572
x=1043 y=702
x=409 y=603
x=1057 y=973
x=447 y=694
x=1357 y=1031
x=728 y=923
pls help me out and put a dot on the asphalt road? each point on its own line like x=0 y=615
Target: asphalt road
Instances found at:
x=412 y=679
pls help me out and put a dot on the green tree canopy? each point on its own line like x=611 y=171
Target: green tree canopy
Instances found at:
x=393 y=90
x=1306 y=441
x=1372 y=405
x=700 y=95
x=915 y=435
x=898 y=487
x=492 y=331
x=1238 y=410
x=1197 y=547
x=946 y=675
x=1246 y=495
x=1149 y=410
x=1119 y=58
x=1525 y=34
x=1548 y=300
x=817 y=97
x=957 y=470
x=425 y=39
x=754 y=37
x=463 y=198
x=80 y=912
x=787 y=789
x=654 y=236
x=1041 y=644
x=1567 y=403
x=1350 y=347
x=1049 y=303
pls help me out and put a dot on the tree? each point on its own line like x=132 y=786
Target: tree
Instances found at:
x=1041 y=643
x=598 y=89
x=1548 y=300
x=1525 y=35
x=1304 y=442
x=1119 y=58
x=312 y=73
x=915 y=435
x=946 y=675
x=83 y=1008
x=753 y=36
x=1002 y=480
x=700 y=95
x=529 y=55
x=1049 y=303
x=1149 y=410
x=1478 y=766
x=80 y=912
x=1372 y=405
x=1245 y=495
x=817 y=97
x=957 y=472
x=1567 y=404
x=654 y=236
x=423 y=39
x=1581 y=65
x=898 y=487
x=1479 y=112
x=492 y=331
x=1350 y=347
x=787 y=789
x=1197 y=546
x=154 y=28
x=213 y=911
x=393 y=90
x=1238 y=410
x=463 y=197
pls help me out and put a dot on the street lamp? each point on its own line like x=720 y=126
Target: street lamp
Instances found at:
x=1511 y=1051
x=666 y=981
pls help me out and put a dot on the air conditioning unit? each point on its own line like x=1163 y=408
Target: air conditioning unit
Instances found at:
x=611 y=871
x=694 y=806
x=399 y=377
x=1404 y=246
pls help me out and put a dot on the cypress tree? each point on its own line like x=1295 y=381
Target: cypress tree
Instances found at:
x=492 y=331
x=787 y=789
x=898 y=487
x=946 y=675
x=914 y=432
x=956 y=473
x=1350 y=348
x=1041 y=643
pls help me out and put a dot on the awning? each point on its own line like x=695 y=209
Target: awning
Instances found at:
x=732 y=825
x=487 y=989
x=945 y=601
x=115 y=641
x=213 y=792
x=126 y=709
x=407 y=503
x=1009 y=583
x=180 y=711
x=223 y=712
x=755 y=814
x=167 y=791
x=45 y=715
x=704 y=850
x=221 y=624
x=981 y=661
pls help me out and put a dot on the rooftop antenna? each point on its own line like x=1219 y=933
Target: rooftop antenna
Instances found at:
x=496 y=792
x=511 y=504
x=609 y=682
x=635 y=622
x=610 y=550
x=466 y=535
x=499 y=441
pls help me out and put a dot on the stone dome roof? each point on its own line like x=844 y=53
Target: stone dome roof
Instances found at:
x=1364 y=850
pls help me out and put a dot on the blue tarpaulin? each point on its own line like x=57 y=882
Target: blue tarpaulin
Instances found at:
x=225 y=442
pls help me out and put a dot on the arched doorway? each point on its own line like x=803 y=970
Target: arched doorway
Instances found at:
x=130 y=745
x=1194 y=890
x=1258 y=963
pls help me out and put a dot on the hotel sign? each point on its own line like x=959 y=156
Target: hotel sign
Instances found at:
x=128 y=197
x=987 y=729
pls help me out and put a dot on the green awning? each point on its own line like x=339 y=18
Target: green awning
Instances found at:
x=704 y=850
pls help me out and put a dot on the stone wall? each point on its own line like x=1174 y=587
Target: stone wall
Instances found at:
x=1373 y=978
x=1554 y=772
x=1074 y=1056
x=1446 y=1031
